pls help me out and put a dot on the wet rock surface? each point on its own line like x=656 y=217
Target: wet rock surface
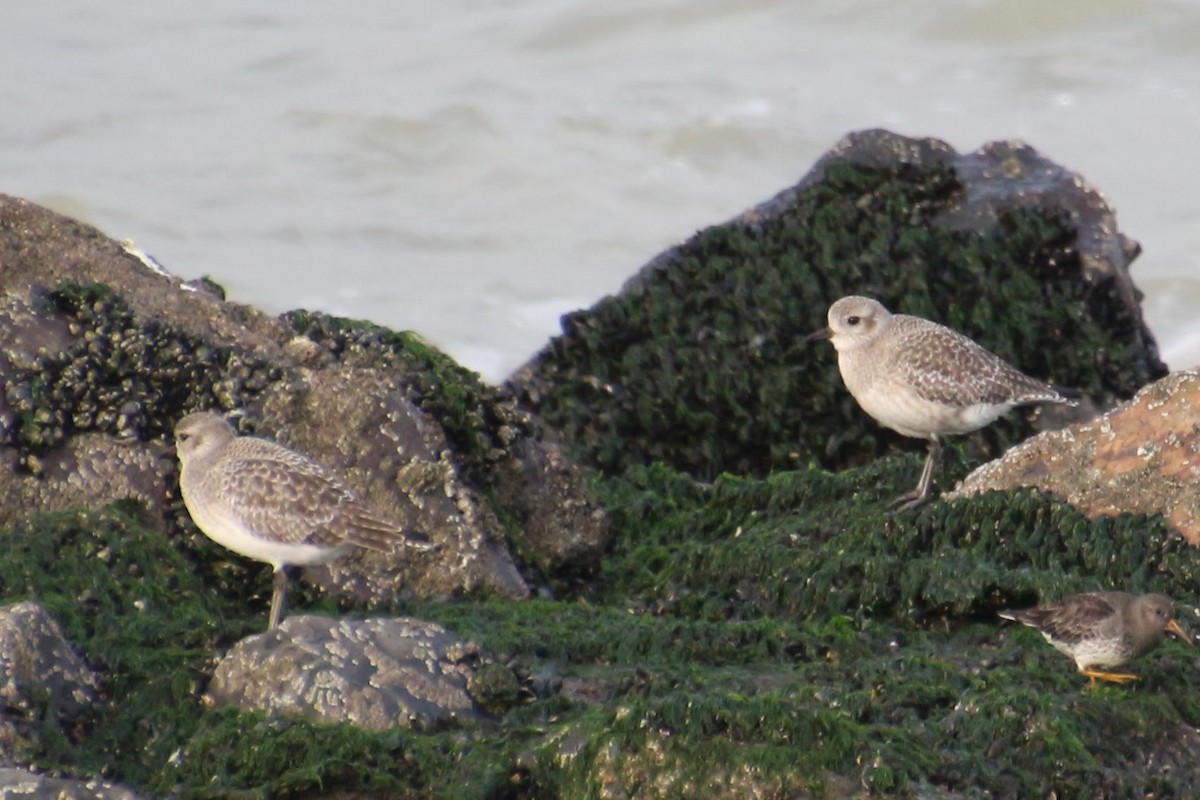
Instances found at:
x=1143 y=457
x=36 y=661
x=375 y=673
x=41 y=676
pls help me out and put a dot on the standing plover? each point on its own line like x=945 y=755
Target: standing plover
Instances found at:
x=922 y=379
x=266 y=502
x=1103 y=629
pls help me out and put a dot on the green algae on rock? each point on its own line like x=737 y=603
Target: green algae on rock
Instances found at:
x=699 y=362
x=736 y=643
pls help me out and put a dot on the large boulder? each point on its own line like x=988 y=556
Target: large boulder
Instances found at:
x=103 y=351
x=699 y=360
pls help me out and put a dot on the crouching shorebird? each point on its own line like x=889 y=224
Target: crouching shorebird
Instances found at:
x=922 y=379
x=1103 y=629
x=266 y=502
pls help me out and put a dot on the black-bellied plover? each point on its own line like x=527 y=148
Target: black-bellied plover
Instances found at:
x=1103 y=629
x=266 y=502
x=922 y=379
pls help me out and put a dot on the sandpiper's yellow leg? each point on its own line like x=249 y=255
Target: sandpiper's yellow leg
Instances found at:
x=1111 y=677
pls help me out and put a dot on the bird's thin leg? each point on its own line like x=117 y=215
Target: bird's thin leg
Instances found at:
x=1111 y=677
x=278 y=596
x=920 y=494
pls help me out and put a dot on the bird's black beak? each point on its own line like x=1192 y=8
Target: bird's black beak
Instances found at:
x=819 y=336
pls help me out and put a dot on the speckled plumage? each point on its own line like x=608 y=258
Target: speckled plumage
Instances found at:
x=264 y=501
x=923 y=379
x=1103 y=629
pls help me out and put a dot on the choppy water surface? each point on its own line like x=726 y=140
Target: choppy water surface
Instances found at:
x=471 y=170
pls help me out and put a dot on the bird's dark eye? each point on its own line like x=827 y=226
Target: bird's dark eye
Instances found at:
x=853 y=320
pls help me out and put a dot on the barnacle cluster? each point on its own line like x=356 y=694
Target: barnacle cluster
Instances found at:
x=121 y=375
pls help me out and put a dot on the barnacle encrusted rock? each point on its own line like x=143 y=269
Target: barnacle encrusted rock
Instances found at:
x=44 y=684
x=37 y=662
x=87 y=470
x=101 y=351
x=373 y=673
x=1143 y=457
x=402 y=460
x=29 y=785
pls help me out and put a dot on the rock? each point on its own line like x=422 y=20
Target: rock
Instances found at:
x=29 y=785
x=383 y=434
x=373 y=673
x=699 y=361
x=103 y=351
x=781 y=635
x=86 y=470
x=564 y=527
x=38 y=665
x=998 y=179
x=43 y=682
x=1143 y=457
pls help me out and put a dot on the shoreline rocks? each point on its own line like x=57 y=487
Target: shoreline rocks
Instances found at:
x=666 y=566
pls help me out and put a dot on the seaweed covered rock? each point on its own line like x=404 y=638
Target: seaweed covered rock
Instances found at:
x=792 y=627
x=771 y=633
x=751 y=637
x=1143 y=457
x=103 y=351
x=699 y=361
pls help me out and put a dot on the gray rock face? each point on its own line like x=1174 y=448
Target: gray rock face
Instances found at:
x=41 y=678
x=36 y=661
x=19 y=783
x=374 y=673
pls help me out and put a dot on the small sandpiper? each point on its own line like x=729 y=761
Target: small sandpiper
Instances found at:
x=269 y=503
x=1103 y=629
x=923 y=379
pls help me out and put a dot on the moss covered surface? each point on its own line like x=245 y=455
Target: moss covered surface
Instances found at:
x=785 y=634
x=701 y=364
